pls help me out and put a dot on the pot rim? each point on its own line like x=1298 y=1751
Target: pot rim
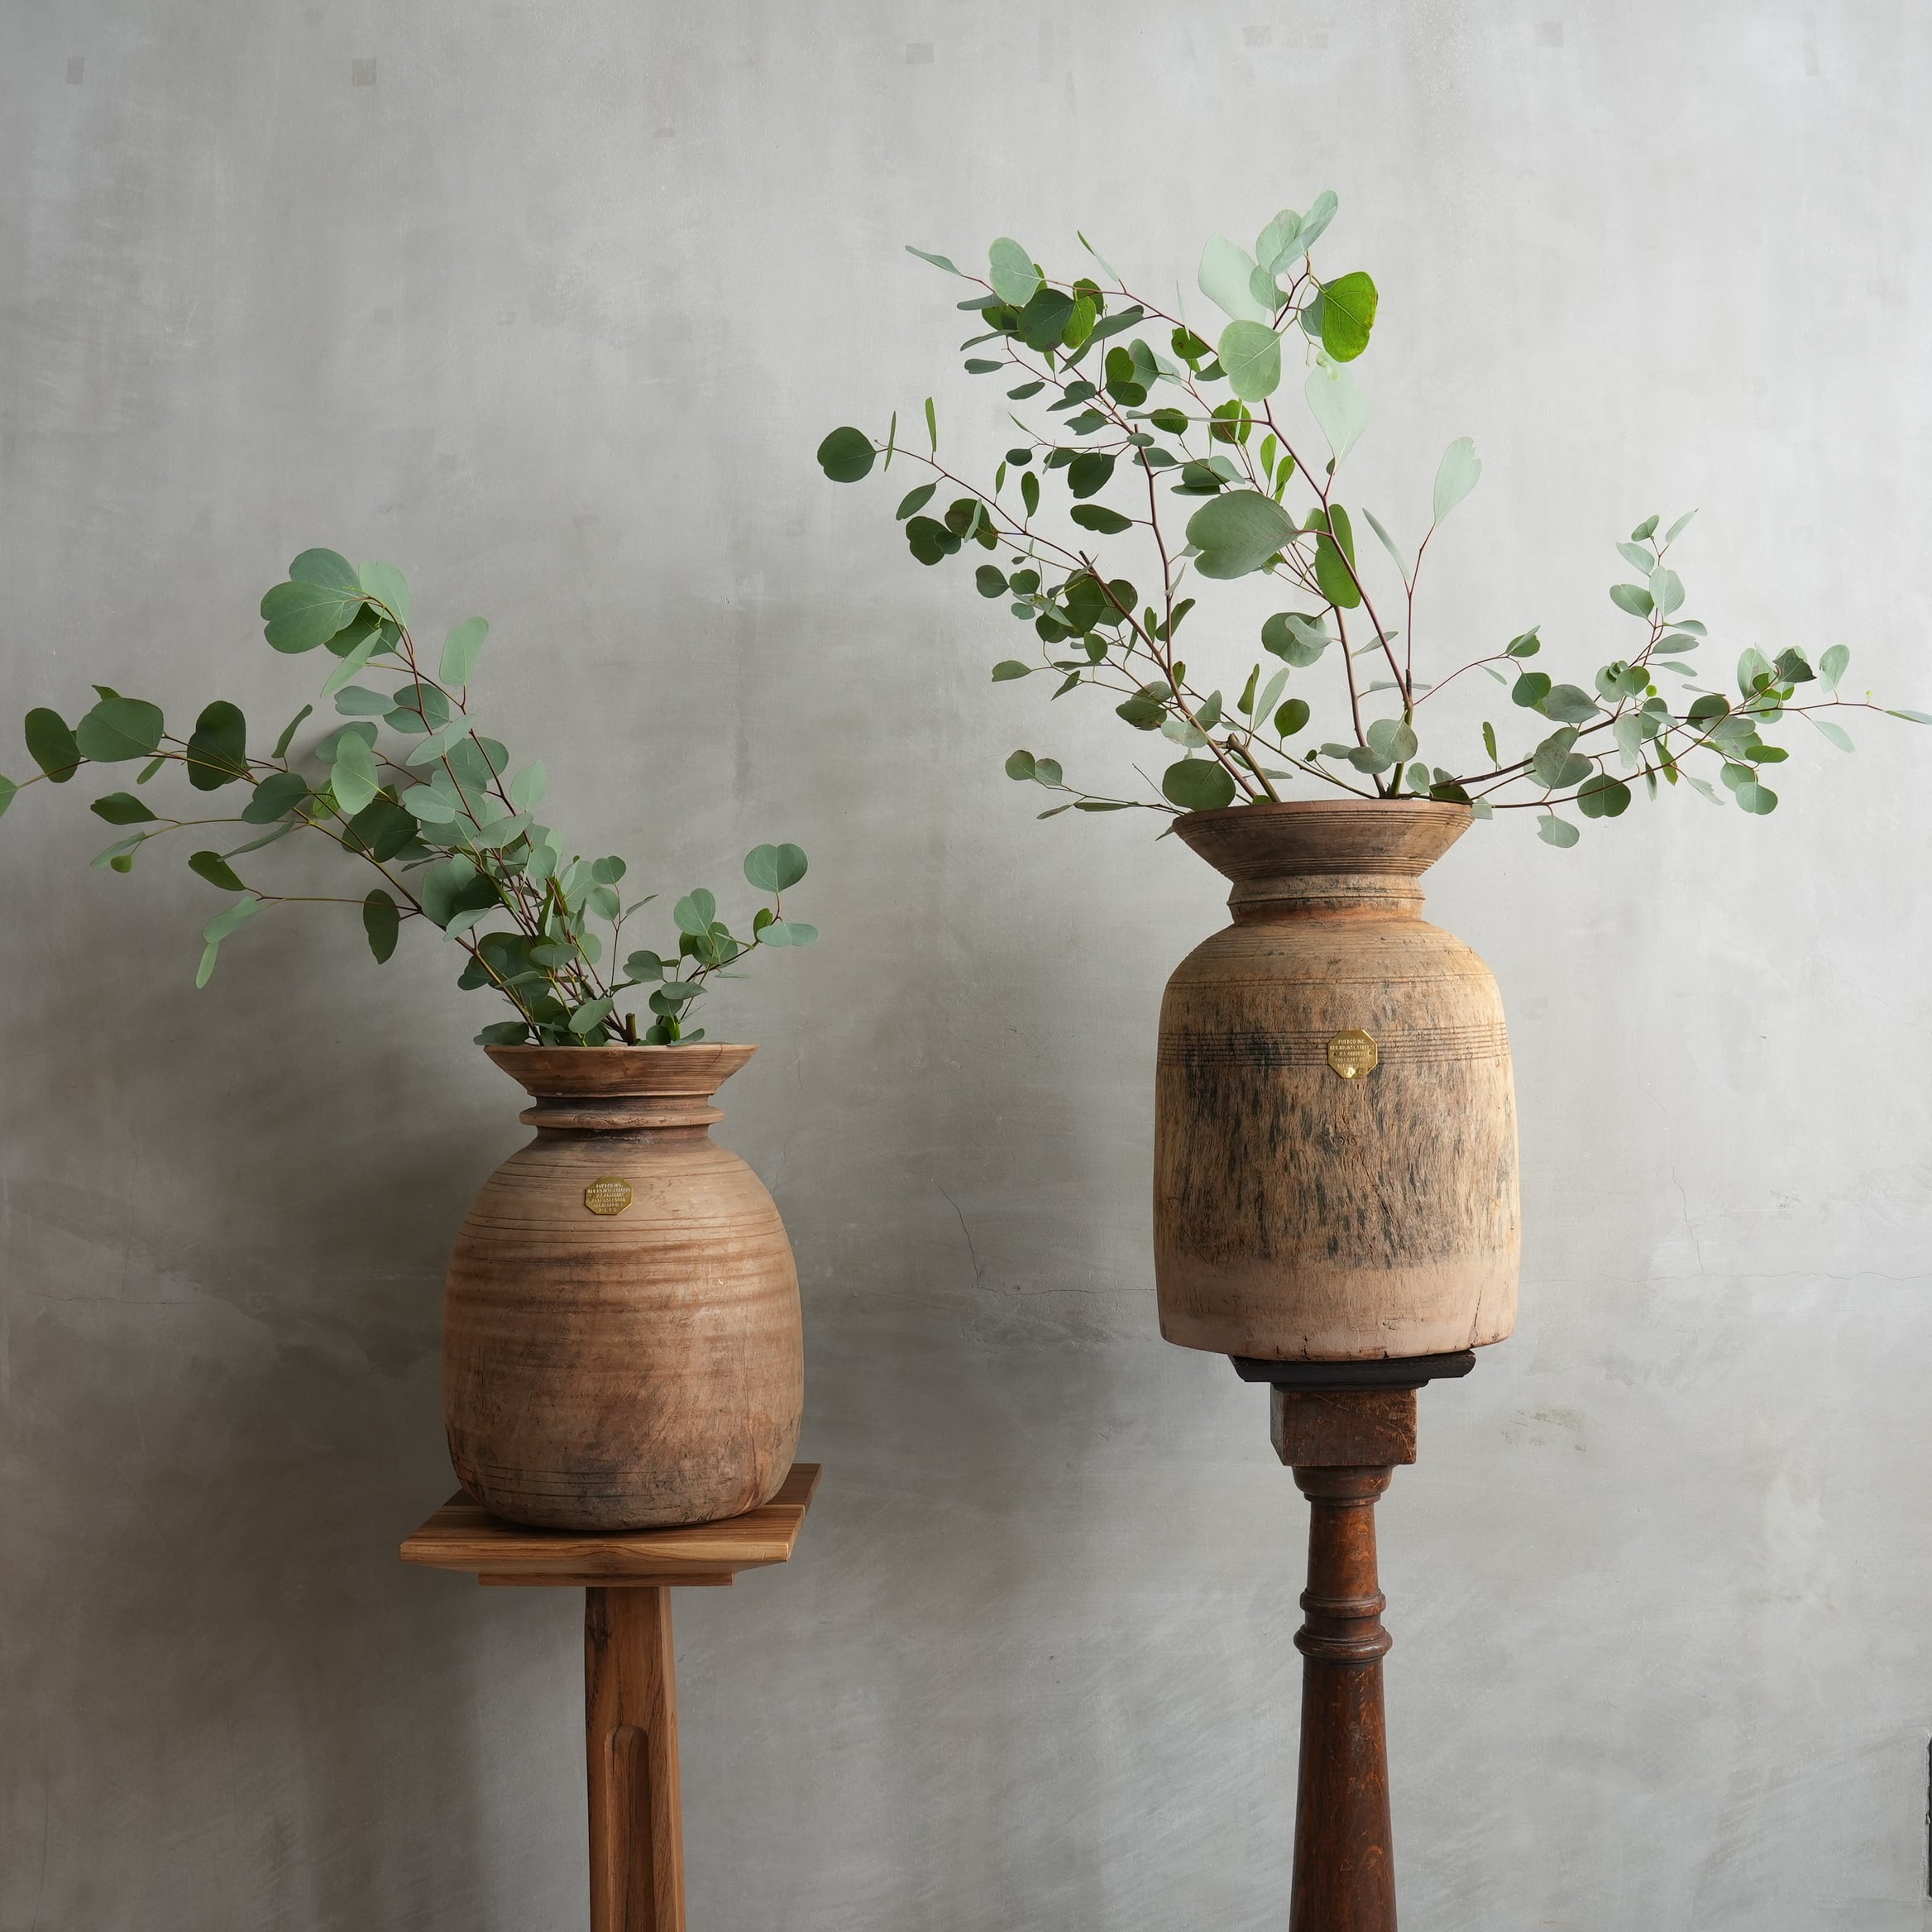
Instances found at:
x=1302 y=838
x=617 y=1070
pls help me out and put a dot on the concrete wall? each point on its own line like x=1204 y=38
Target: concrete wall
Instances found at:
x=552 y=309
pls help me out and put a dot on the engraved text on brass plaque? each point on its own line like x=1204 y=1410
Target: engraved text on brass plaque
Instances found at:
x=608 y=1196
x=1353 y=1053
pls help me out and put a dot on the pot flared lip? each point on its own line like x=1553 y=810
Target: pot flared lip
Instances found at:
x=621 y=1072
x=1301 y=836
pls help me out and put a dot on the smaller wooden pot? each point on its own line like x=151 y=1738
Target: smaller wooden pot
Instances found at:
x=622 y=1343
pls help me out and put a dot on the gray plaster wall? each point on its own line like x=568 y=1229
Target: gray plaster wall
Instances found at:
x=551 y=305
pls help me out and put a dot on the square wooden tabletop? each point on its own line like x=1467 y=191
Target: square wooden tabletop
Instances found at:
x=463 y=1535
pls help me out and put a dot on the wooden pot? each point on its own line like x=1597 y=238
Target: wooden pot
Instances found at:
x=621 y=1341
x=1335 y=1123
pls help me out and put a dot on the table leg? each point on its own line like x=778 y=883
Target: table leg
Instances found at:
x=1344 y=1861
x=630 y=1720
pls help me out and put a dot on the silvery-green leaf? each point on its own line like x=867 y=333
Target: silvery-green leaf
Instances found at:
x=1677 y=528
x=1836 y=733
x=354 y=783
x=527 y=788
x=1338 y=406
x=1250 y=354
x=1555 y=831
x=1456 y=475
x=1389 y=543
x=387 y=584
x=1182 y=732
x=1279 y=244
x=358 y=701
x=937 y=260
x=1015 y=279
x=1666 y=591
x=1225 y=276
x=1831 y=667
x=461 y=650
x=1237 y=532
x=1264 y=706
x=1315 y=222
x=1628 y=730
x=352 y=663
x=1481 y=808
x=439 y=741
x=461 y=922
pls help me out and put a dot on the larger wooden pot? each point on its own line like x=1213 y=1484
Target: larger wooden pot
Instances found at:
x=622 y=1346
x=1335 y=1124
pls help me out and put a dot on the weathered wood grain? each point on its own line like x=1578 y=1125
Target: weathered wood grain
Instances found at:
x=630 y=1736
x=463 y=1535
x=1298 y=1214
x=627 y=1369
x=1344 y=1850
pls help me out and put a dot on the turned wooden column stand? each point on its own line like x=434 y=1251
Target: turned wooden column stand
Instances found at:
x=1343 y=1427
x=630 y=1688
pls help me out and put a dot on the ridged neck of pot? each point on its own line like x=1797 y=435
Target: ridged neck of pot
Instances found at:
x=621 y=1116
x=1321 y=858
x=621 y=1089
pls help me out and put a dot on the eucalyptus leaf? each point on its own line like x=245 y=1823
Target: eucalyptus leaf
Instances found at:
x=1250 y=354
x=460 y=649
x=387 y=584
x=52 y=745
x=1015 y=279
x=1456 y=475
x=1237 y=532
x=1226 y=278
x=775 y=868
x=1197 y=785
x=1338 y=406
x=1348 y=314
x=354 y=781
x=847 y=455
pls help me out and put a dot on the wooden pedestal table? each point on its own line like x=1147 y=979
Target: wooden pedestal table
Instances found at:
x=1344 y=1428
x=631 y=1689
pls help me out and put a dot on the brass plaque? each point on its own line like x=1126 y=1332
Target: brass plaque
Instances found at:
x=609 y=1196
x=1353 y=1053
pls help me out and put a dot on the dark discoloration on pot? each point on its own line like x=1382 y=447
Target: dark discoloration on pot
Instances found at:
x=1299 y=1215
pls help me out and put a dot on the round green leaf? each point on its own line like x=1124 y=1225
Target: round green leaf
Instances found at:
x=846 y=455
x=381 y=921
x=1555 y=831
x=774 y=868
x=1603 y=797
x=1196 y=785
x=461 y=650
x=388 y=585
x=218 y=753
x=1237 y=532
x=117 y=729
x=1531 y=689
x=329 y=569
x=354 y=781
x=1015 y=279
x=52 y=746
x=1088 y=473
x=1251 y=354
x=1291 y=717
x=274 y=797
x=1348 y=313
x=1633 y=598
x=1107 y=522
x=299 y=615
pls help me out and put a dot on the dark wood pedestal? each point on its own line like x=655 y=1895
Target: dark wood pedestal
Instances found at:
x=1344 y=1428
